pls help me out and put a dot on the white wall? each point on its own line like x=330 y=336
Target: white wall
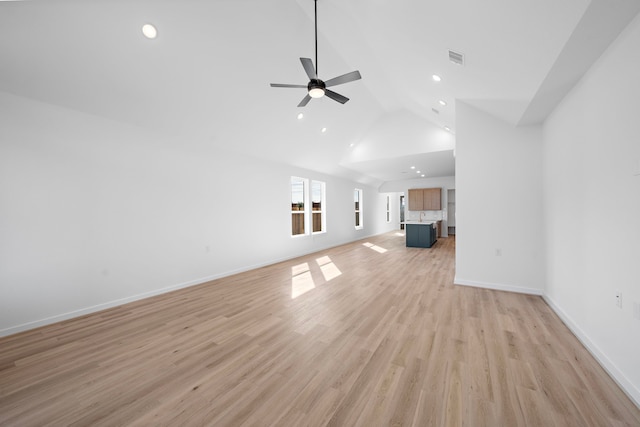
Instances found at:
x=592 y=208
x=394 y=209
x=403 y=186
x=94 y=213
x=498 y=203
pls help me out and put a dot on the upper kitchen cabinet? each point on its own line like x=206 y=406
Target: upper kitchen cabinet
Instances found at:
x=432 y=199
x=425 y=199
x=415 y=200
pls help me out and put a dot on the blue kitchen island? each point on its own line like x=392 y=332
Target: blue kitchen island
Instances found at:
x=420 y=234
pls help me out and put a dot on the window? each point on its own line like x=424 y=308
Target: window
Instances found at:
x=298 y=212
x=303 y=219
x=357 y=198
x=318 y=206
x=388 y=208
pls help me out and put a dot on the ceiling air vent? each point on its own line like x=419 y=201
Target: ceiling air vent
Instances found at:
x=456 y=58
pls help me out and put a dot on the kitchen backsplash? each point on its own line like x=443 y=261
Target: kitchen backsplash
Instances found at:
x=426 y=215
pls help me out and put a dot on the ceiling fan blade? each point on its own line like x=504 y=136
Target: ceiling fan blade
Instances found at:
x=304 y=101
x=285 y=85
x=345 y=78
x=336 y=96
x=309 y=68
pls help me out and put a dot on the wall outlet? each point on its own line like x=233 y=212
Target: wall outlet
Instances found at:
x=619 y=299
x=636 y=310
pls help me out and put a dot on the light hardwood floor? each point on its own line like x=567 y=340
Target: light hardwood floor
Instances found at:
x=378 y=335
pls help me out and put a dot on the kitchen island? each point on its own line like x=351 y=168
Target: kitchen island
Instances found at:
x=420 y=234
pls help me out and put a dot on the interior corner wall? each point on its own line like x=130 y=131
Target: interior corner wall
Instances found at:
x=499 y=225
x=96 y=213
x=592 y=208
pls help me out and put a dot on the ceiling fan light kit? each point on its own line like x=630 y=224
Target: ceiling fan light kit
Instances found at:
x=317 y=88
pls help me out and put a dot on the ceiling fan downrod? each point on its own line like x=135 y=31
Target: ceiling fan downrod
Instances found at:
x=317 y=88
x=315 y=6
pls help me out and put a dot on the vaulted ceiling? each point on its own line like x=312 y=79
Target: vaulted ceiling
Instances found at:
x=206 y=77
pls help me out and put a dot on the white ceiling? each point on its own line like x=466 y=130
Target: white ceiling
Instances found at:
x=206 y=76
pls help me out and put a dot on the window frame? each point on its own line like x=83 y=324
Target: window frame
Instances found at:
x=307 y=211
x=305 y=205
x=323 y=207
x=388 y=208
x=359 y=207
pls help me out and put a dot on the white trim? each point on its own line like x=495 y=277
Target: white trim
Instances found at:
x=623 y=382
x=498 y=286
x=630 y=389
x=360 y=208
x=323 y=206
x=115 y=303
x=305 y=203
x=388 y=209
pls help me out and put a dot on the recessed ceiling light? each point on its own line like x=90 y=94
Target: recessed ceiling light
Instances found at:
x=422 y=175
x=323 y=130
x=413 y=167
x=436 y=78
x=441 y=102
x=352 y=144
x=300 y=116
x=417 y=171
x=447 y=128
x=149 y=31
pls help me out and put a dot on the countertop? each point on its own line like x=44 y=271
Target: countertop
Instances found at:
x=420 y=223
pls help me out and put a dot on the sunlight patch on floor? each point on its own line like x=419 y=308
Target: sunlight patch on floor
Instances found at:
x=375 y=247
x=328 y=268
x=301 y=280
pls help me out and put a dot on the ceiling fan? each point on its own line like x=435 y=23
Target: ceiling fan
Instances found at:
x=317 y=88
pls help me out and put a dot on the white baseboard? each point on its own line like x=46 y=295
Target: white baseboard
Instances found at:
x=627 y=386
x=623 y=382
x=93 y=309
x=110 y=304
x=497 y=286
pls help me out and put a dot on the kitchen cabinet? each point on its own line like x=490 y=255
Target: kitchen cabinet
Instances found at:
x=425 y=199
x=432 y=199
x=415 y=200
x=420 y=235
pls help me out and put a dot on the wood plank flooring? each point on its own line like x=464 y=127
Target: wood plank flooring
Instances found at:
x=376 y=335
